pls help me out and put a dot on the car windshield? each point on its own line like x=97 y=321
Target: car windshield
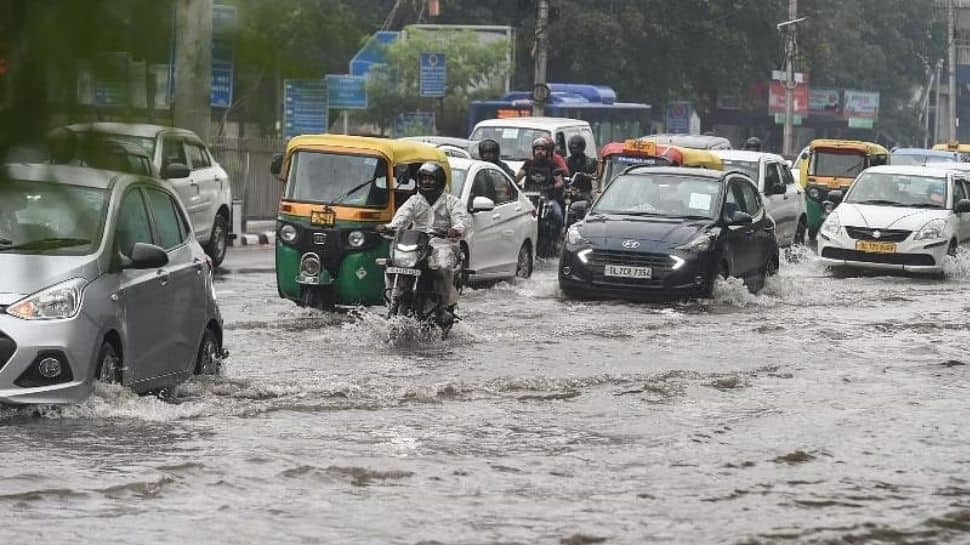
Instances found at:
x=50 y=218
x=838 y=164
x=748 y=167
x=104 y=151
x=329 y=178
x=914 y=159
x=458 y=176
x=617 y=164
x=660 y=195
x=515 y=142
x=898 y=190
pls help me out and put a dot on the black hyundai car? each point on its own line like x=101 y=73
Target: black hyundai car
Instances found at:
x=665 y=231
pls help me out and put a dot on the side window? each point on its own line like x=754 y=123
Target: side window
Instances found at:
x=482 y=186
x=504 y=193
x=133 y=225
x=590 y=142
x=786 y=175
x=197 y=156
x=959 y=191
x=772 y=177
x=561 y=144
x=732 y=200
x=752 y=201
x=173 y=151
x=167 y=223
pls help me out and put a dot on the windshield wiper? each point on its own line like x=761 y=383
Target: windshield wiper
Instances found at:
x=47 y=244
x=879 y=201
x=353 y=190
x=922 y=205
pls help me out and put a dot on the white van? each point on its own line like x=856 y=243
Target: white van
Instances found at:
x=515 y=135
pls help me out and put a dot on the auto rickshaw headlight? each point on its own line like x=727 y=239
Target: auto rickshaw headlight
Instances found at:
x=288 y=234
x=356 y=239
x=310 y=265
x=813 y=193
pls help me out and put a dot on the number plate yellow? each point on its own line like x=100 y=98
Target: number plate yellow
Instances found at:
x=325 y=217
x=876 y=247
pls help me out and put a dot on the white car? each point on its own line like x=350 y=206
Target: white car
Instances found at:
x=516 y=134
x=504 y=231
x=783 y=197
x=898 y=218
x=180 y=157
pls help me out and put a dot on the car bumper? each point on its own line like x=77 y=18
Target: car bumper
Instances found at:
x=688 y=275
x=74 y=341
x=910 y=256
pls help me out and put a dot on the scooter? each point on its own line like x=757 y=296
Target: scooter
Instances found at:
x=412 y=292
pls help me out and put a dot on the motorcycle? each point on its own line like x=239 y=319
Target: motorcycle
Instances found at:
x=412 y=292
x=579 y=189
x=550 y=228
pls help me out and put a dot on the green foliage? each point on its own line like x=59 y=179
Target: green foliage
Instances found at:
x=475 y=71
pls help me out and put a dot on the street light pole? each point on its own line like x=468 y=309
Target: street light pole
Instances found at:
x=542 y=48
x=951 y=36
x=789 y=142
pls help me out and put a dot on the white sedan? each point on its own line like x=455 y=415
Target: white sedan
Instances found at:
x=501 y=243
x=898 y=218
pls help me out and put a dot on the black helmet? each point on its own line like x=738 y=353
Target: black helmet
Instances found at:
x=753 y=144
x=577 y=144
x=431 y=181
x=489 y=147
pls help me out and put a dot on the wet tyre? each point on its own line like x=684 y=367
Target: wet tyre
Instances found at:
x=208 y=361
x=524 y=263
x=218 y=244
x=109 y=364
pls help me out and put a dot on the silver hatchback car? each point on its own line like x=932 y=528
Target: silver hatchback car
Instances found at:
x=102 y=280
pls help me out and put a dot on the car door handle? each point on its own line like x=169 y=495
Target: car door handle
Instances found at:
x=197 y=265
x=163 y=277
x=496 y=216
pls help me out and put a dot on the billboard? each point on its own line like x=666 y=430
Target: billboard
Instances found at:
x=776 y=98
x=825 y=102
x=861 y=105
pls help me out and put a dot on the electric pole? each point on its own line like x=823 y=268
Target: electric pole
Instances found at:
x=788 y=148
x=951 y=38
x=542 y=48
x=193 y=65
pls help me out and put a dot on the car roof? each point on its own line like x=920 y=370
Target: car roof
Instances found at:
x=695 y=141
x=744 y=155
x=532 y=122
x=466 y=164
x=922 y=151
x=931 y=171
x=143 y=130
x=950 y=165
x=678 y=171
x=440 y=140
x=65 y=174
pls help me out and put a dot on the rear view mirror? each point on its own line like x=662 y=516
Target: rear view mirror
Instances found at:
x=836 y=196
x=406 y=184
x=962 y=207
x=146 y=256
x=579 y=208
x=482 y=204
x=175 y=171
x=741 y=218
x=276 y=167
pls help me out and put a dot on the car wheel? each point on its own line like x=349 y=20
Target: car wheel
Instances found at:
x=208 y=362
x=952 y=249
x=722 y=272
x=218 y=241
x=109 y=364
x=523 y=266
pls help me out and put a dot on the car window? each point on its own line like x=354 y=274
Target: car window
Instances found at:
x=133 y=224
x=786 y=174
x=173 y=151
x=167 y=223
x=966 y=188
x=959 y=191
x=732 y=200
x=561 y=144
x=198 y=156
x=482 y=185
x=751 y=201
x=587 y=135
x=772 y=178
x=504 y=193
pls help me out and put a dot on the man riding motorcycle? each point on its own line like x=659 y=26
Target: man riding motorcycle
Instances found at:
x=490 y=151
x=578 y=160
x=543 y=174
x=432 y=210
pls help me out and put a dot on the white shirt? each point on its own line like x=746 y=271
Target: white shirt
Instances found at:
x=447 y=212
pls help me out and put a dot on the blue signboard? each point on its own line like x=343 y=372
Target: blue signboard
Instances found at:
x=678 y=117
x=304 y=107
x=434 y=75
x=347 y=92
x=223 y=22
x=372 y=54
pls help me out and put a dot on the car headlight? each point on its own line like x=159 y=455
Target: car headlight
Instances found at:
x=831 y=226
x=356 y=239
x=574 y=236
x=405 y=258
x=58 y=302
x=288 y=234
x=700 y=243
x=934 y=229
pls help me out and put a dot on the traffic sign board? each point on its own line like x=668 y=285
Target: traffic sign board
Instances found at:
x=304 y=107
x=434 y=75
x=347 y=92
x=678 y=117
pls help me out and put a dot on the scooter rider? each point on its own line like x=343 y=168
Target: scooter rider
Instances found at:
x=434 y=210
x=543 y=174
x=490 y=151
x=578 y=161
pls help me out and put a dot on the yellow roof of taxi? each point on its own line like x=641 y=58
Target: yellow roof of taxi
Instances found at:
x=398 y=150
x=867 y=147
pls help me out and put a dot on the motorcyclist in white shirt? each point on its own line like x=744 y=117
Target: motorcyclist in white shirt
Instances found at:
x=433 y=210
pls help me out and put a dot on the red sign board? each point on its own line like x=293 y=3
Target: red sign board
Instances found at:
x=776 y=98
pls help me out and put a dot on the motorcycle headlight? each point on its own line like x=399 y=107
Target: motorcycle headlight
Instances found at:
x=58 y=302
x=933 y=230
x=288 y=234
x=574 y=235
x=405 y=258
x=700 y=243
x=832 y=225
x=356 y=239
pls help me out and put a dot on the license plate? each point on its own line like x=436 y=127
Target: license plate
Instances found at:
x=325 y=218
x=876 y=247
x=628 y=272
x=308 y=280
x=402 y=270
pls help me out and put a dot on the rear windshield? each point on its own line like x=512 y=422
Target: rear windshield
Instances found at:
x=329 y=178
x=104 y=151
x=515 y=142
x=748 y=167
x=50 y=218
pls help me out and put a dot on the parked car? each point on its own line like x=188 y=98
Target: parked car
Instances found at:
x=502 y=241
x=461 y=148
x=668 y=231
x=897 y=218
x=180 y=157
x=921 y=157
x=783 y=198
x=516 y=134
x=692 y=141
x=103 y=280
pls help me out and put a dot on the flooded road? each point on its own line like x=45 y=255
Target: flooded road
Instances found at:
x=825 y=410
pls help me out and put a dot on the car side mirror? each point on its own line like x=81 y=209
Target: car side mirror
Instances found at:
x=836 y=196
x=174 y=171
x=962 y=207
x=276 y=167
x=145 y=256
x=741 y=218
x=579 y=208
x=788 y=163
x=482 y=204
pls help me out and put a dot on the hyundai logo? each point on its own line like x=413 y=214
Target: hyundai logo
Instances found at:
x=631 y=244
x=876 y=234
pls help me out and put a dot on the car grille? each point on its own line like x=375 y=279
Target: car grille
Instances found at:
x=921 y=260
x=7 y=348
x=885 y=235
x=599 y=258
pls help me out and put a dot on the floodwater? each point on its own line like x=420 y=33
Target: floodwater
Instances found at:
x=825 y=410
